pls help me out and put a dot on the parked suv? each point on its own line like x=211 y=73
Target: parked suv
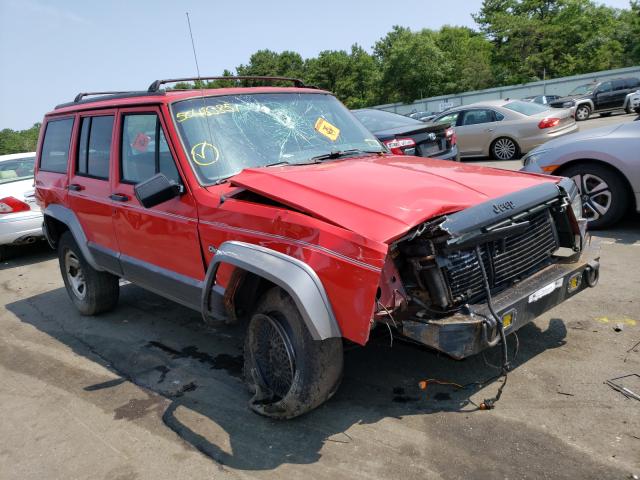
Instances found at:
x=273 y=205
x=599 y=97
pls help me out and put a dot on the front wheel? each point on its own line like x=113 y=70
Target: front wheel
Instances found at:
x=288 y=371
x=91 y=291
x=604 y=193
x=504 y=149
x=582 y=113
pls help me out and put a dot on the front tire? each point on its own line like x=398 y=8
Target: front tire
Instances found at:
x=288 y=371
x=91 y=291
x=504 y=148
x=583 y=112
x=605 y=196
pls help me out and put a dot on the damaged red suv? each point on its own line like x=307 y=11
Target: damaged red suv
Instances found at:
x=275 y=206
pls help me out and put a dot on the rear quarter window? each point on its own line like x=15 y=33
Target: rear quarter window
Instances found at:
x=55 y=146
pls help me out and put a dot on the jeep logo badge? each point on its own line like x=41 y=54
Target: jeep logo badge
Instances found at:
x=503 y=207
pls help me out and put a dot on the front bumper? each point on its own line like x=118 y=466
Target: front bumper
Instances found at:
x=467 y=332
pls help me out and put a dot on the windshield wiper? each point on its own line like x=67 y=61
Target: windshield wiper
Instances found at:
x=339 y=154
x=279 y=162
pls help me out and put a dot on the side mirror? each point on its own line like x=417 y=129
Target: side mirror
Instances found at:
x=156 y=190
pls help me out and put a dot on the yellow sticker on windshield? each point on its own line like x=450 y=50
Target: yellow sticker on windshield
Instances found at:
x=204 y=154
x=325 y=128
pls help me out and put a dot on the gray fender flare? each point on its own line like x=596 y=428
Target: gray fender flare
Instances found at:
x=294 y=276
x=66 y=216
x=587 y=101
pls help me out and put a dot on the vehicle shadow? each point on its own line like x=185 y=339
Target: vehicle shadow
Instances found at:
x=165 y=349
x=626 y=232
x=23 y=255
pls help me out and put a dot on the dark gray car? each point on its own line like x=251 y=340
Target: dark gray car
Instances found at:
x=604 y=163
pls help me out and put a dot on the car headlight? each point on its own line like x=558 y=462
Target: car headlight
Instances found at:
x=533 y=157
x=576 y=206
x=568 y=104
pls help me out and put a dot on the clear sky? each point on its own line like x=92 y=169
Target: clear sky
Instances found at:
x=51 y=50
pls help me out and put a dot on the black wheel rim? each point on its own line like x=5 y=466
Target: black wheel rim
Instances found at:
x=273 y=355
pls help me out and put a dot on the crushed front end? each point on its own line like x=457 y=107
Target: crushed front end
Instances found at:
x=459 y=282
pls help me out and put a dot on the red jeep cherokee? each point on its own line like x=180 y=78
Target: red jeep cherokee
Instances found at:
x=276 y=205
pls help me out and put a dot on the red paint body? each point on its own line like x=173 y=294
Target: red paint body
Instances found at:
x=338 y=217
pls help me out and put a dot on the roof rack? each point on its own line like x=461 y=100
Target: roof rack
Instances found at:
x=80 y=96
x=155 y=86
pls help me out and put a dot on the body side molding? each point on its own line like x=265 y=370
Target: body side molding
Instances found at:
x=296 y=277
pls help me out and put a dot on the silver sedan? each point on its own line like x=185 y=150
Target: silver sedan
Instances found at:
x=505 y=129
x=604 y=163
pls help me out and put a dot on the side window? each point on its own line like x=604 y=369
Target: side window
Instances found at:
x=55 y=147
x=451 y=118
x=619 y=85
x=94 y=150
x=475 y=117
x=499 y=117
x=633 y=83
x=144 y=149
x=605 y=87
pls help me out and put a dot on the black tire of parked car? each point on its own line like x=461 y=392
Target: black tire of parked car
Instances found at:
x=504 y=148
x=288 y=372
x=583 y=112
x=91 y=291
x=616 y=186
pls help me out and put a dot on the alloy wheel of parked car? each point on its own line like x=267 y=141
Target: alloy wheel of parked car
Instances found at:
x=73 y=269
x=583 y=112
x=504 y=149
x=604 y=194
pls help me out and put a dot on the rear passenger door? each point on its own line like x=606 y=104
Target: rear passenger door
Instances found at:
x=89 y=184
x=159 y=247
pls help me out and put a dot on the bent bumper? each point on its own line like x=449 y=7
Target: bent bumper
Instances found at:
x=468 y=332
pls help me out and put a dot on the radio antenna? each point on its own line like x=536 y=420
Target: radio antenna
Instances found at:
x=193 y=45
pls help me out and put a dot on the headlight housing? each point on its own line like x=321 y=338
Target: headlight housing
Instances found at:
x=533 y=156
x=568 y=104
x=576 y=206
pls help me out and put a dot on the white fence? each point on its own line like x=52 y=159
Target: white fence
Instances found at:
x=556 y=86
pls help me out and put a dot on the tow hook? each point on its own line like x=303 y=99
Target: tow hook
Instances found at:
x=592 y=273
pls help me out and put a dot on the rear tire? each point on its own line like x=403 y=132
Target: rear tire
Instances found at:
x=604 y=192
x=583 y=112
x=288 y=371
x=91 y=291
x=504 y=148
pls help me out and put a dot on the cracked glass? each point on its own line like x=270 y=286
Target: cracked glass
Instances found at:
x=222 y=135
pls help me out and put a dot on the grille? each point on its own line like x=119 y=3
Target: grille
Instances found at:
x=505 y=260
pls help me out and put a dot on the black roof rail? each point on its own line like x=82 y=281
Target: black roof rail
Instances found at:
x=81 y=95
x=155 y=86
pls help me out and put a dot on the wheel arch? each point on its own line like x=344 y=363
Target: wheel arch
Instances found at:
x=59 y=219
x=261 y=267
x=592 y=161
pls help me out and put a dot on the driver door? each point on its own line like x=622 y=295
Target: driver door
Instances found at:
x=159 y=247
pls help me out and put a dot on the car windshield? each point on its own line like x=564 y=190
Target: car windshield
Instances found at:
x=222 y=135
x=16 y=169
x=526 y=108
x=582 y=90
x=377 y=120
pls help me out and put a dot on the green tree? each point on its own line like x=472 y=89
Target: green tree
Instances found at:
x=270 y=63
x=12 y=141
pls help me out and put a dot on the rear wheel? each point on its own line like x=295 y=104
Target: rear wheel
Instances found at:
x=504 y=148
x=583 y=112
x=91 y=291
x=604 y=193
x=288 y=371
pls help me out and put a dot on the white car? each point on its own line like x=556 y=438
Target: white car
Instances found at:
x=633 y=102
x=20 y=216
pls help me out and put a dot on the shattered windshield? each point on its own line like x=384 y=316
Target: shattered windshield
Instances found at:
x=222 y=135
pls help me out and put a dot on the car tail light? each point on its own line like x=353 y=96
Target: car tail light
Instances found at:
x=451 y=135
x=549 y=122
x=397 y=145
x=13 y=205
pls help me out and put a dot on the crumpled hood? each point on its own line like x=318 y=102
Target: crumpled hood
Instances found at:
x=382 y=197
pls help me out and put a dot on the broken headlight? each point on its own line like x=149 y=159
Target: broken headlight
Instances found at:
x=576 y=206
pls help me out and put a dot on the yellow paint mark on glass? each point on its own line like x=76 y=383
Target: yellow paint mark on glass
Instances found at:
x=208 y=111
x=204 y=154
x=328 y=130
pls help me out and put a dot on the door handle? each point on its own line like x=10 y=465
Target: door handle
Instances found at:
x=490 y=129
x=74 y=187
x=119 y=197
